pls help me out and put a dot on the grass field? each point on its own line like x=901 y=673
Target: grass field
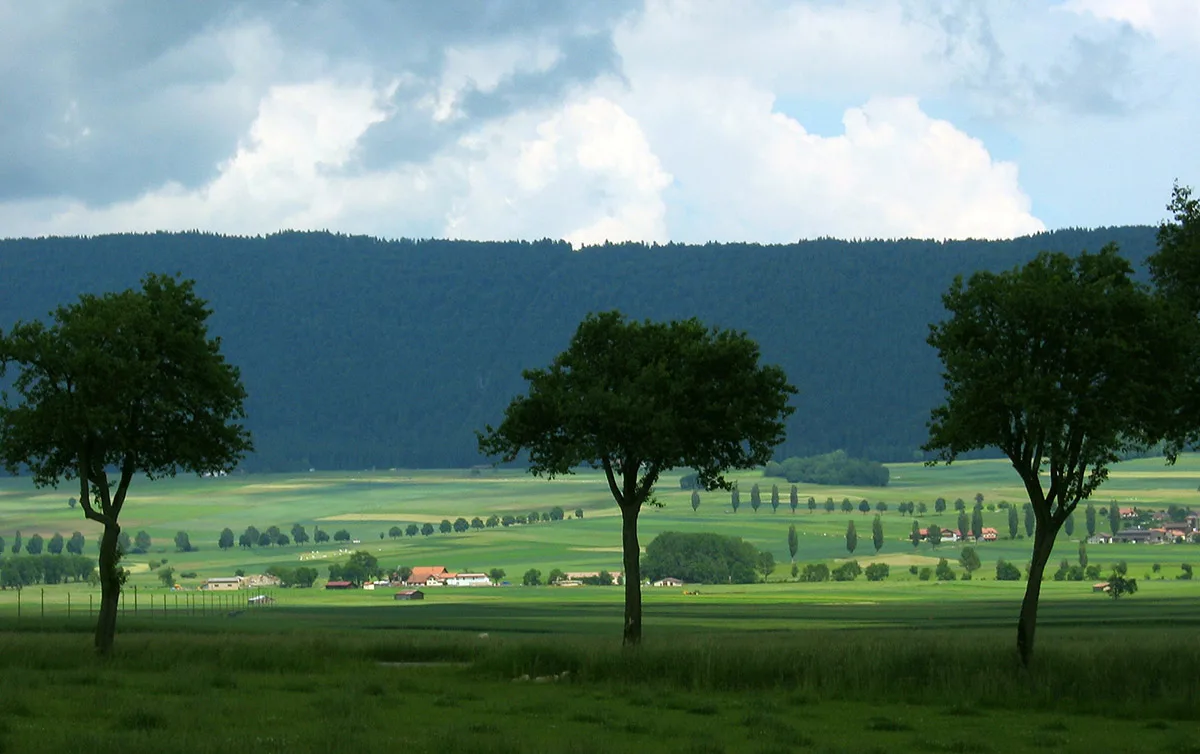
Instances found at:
x=894 y=666
x=368 y=504
x=278 y=682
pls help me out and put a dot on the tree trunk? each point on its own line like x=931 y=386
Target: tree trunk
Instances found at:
x=1027 y=623
x=633 y=576
x=110 y=589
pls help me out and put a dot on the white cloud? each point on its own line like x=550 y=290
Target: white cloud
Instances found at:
x=746 y=172
x=1175 y=21
x=720 y=124
x=288 y=172
x=586 y=174
x=482 y=69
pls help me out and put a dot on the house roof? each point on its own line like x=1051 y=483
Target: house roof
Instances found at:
x=421 y=572
x=410 y=592
x=467 y=575
x=338 y=583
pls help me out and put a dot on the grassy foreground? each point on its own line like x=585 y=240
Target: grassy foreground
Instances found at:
x=196 y=688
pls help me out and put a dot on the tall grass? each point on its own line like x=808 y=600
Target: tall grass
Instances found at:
x=1080 y=670
x=1083 y=672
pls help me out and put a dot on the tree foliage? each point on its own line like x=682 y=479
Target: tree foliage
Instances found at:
x=637 y=399
x=831 y=468
x=122 y=383
x=1063 y=365
x=701 y=558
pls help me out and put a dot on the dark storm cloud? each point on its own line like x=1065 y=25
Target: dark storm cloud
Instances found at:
x=105 y=100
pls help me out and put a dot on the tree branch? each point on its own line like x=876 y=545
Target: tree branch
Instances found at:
x=612 y=480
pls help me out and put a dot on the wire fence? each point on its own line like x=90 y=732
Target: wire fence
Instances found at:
x=40 y=603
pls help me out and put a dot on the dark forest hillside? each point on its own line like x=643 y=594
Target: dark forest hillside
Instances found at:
x=358 y=352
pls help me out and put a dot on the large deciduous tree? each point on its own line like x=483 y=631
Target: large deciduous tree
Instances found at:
x=1063 y=364
x=637 y=399
x=117 y=385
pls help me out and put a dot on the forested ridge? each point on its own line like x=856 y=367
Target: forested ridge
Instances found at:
x=358 y=352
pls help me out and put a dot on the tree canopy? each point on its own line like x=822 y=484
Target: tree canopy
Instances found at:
x=126 y=383
x=1062 y=364
x=637 y=399
x=701 y=558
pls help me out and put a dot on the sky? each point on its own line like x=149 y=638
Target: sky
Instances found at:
x=596 y=120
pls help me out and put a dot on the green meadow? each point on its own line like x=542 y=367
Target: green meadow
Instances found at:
x=368 y=504
x=898 y=665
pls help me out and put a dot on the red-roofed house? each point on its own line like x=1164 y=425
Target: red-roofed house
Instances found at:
x=428 y=576
x=989 y=534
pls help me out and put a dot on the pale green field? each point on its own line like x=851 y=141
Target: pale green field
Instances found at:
x=368 y=503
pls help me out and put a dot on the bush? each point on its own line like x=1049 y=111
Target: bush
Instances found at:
x=912 y=569
x=188 y=575
x=1006 y=571
x=1092 y=572
x=925 y=574
x=815 y=572
x=878 y=571
x=944 y=572
x=847 y=571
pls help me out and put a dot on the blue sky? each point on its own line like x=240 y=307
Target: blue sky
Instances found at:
x=593 y=120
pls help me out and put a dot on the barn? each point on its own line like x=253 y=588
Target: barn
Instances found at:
x=410 y=594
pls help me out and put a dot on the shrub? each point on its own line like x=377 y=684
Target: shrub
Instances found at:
x=815 y=572
x=1006 y=571
x=878 y=571
x=847 y=571
x=944 y=572
x=925 y=574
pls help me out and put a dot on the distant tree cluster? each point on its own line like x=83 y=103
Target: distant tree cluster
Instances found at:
x=461 y=525
x=702 y=558
x=303 y=576
x=273 y=536
x=831 y=468
x=846 y=571
x=361 y=567
x=45 y=568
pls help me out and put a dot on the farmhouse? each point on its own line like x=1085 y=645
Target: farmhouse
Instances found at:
x=581 y=575
x=989 y=534
x=950 y=535
x=428 y=576
x=1141 y=536
x=668 y=581
x=409 y=594
x=1100 y=538
x=1176 y=532
x=468 y=579
x=1128 y=512
x=230 y=584
x=339 y=585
